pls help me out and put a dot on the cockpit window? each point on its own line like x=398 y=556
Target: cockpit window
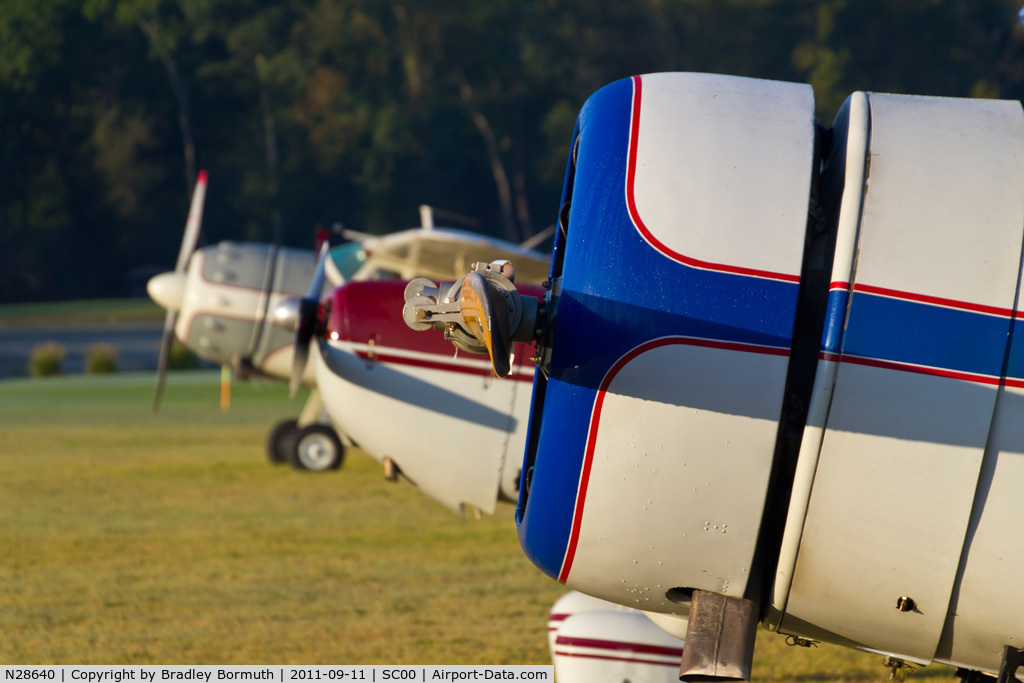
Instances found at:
x=348 y=258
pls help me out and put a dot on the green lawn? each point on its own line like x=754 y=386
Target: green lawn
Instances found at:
x=96 y=311
x=132 y=538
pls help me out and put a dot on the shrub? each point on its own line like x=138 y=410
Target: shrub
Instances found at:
x=46 y=359
x=181 y=357
x=100 y=358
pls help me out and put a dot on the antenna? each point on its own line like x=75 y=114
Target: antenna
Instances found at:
x=426 y=217
x=428 y=212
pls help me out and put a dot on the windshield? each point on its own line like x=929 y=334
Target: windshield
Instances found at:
x=348 y=258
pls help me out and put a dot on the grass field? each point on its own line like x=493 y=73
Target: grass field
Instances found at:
x=82 y=312
x=132 y=538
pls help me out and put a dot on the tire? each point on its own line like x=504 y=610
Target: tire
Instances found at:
x=315 y=448
x=277 y=441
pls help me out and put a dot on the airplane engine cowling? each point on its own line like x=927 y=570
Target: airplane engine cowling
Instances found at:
x=230 y=289
x=672 y=311
x=272 y=349
x=784 y=364
x=900 y=529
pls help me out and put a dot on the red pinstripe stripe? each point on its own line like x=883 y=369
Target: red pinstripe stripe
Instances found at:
x=643 y=648
x=921 y=369
x=595 y=418
x=634 y=136
x=378 y=357
x=617 y=659
x=931 y=300
x=556 y=619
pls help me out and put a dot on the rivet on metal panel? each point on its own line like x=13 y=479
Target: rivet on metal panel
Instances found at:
x=906 y=604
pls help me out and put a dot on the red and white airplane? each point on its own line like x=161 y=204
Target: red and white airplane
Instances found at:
x=596 y=640
x=385 y=387
x=392 y=391
x=221 y=300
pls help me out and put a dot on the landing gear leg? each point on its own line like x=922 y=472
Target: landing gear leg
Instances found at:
x=307 y=443
x=1013 y=659
x=313 y=410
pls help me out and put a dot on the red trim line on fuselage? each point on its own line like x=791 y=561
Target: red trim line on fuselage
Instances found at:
x=634 y=137
x=930 y=300
x=920 y=369
x=581 y=655
x=205 y=281
x=600 y=644
x=557 y=618
x=595 y=418
x=520 y=373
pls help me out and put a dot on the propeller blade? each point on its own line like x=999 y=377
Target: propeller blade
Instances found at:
x=303 y=337
x=306 y=324
x=301 y=357
x=165 y=351
x=194 y=222
x=534 y=241
x=316 y=285
x=170 y=290
x=486 y=313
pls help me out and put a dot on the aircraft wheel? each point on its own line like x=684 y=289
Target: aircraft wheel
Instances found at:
x=316 y=449
x=277 y=446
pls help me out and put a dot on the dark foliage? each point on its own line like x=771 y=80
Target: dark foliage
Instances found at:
x=310 y=112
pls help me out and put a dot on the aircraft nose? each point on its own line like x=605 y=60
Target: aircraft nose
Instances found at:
x=167 y=289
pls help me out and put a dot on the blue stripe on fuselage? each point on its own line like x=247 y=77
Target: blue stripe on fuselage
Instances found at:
x=617 y=293
x=899 y=330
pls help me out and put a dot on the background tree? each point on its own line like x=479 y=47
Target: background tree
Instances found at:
x=308 y=112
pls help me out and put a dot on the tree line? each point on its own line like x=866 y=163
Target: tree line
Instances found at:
x=311 y=112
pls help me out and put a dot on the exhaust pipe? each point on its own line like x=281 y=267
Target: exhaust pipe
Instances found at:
x=719 y=638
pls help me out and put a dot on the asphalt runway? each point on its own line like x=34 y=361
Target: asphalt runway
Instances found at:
x=137 y=344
